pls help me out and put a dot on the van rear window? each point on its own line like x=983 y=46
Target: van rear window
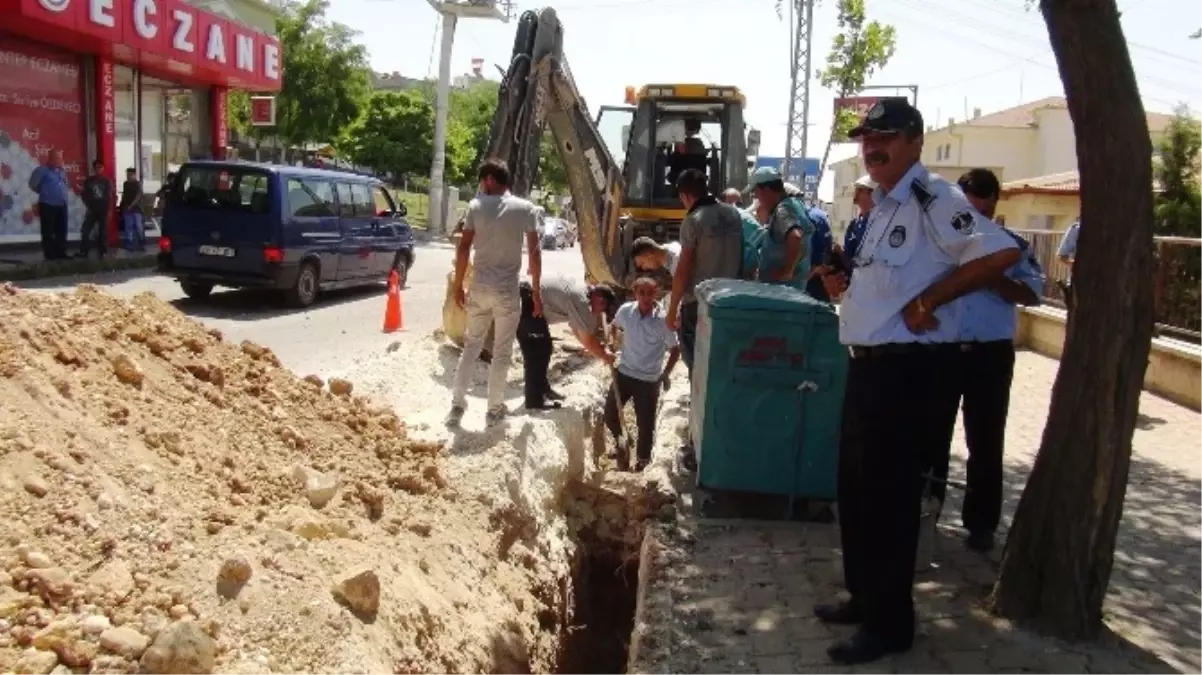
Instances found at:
x=222 y=189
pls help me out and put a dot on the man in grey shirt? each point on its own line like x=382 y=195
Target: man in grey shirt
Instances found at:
x=494 y=226
x=711 y=247
x=565 y=300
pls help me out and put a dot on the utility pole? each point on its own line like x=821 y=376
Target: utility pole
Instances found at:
x=801 y=41
x=451 y=11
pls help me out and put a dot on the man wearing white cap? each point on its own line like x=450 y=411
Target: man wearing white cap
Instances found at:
x=862 y=198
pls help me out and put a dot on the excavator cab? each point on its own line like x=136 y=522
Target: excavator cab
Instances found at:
x=664 y=130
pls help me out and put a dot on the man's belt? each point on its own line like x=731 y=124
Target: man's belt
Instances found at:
x=902 y=349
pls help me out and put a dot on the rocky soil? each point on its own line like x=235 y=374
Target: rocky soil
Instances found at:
x=176 y=503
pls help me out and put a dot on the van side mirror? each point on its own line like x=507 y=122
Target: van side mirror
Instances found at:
x=402 y=210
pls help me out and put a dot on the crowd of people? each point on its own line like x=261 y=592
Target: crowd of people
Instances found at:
x=925 y=281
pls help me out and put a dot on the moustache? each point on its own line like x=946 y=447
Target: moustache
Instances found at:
x=877 y=157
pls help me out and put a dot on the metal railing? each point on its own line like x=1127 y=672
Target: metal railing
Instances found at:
x=1178 y=280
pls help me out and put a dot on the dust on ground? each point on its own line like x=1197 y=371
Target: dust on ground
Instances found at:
x=177 y=503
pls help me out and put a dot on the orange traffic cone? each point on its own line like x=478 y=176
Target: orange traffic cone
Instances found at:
x=393 y=315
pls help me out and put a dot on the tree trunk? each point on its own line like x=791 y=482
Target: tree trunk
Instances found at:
x=1060 y=550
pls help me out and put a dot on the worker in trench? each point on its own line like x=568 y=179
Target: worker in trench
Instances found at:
x=640 y=373
x=564 y=300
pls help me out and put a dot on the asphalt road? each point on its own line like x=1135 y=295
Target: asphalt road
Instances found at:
x=327 y=337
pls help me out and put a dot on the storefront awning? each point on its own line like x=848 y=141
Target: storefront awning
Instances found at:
x=169 y=39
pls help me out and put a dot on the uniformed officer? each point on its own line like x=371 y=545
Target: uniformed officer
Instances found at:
x=924 y=247
x=1068 y=255
x=862 y=198
x=784 y=254
x=987 y=324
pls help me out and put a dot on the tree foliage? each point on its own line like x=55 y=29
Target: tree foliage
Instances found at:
x=395 y=134
x=859 y=49
x=327 y=80
x=1178 y=203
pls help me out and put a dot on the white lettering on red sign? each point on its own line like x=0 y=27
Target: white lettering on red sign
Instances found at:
x=106 y=92
x=101 y=13
x=215 y=45
x=271 y=60
x=182 y=39
x=144 y=11
x=245 y=53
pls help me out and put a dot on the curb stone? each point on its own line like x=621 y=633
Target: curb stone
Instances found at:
x=61 y=268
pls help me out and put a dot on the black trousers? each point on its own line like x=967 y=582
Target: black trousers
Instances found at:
x=894 y=420
x=687 y=334
x=99 y=221
x=645 y=396
x=983 y=376
x=54 y=230
x=534 y=339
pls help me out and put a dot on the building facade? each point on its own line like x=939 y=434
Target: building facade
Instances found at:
x=136 y=84
x=1032 y=148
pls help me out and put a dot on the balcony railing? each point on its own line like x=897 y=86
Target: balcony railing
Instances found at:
x=1178 y=281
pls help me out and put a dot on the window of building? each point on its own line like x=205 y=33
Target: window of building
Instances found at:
x=947 y=151
x=939 y=153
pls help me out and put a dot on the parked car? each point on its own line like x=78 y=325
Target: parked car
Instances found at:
x=294 y=229
x=553 y=233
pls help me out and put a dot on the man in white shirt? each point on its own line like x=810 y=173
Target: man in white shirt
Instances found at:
x=649 y=255
x=640 y=372
x=493 y=228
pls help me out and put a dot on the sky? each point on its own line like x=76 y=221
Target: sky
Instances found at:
x=962 y=54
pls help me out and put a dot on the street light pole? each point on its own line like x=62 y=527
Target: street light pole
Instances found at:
x=451 y=10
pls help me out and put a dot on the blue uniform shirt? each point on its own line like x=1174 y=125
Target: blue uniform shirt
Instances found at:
x=919 y=232
x=821 y=240
x=854 y=236
x=51 y=185
x=985 y=315
x=1068 y=245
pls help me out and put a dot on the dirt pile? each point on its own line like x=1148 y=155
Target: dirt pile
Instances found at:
x=176 y=503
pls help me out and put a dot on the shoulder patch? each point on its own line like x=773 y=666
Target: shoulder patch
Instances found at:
x=963 y=222
x=924 y=196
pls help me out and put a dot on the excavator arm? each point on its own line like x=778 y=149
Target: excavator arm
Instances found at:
x=538 y=91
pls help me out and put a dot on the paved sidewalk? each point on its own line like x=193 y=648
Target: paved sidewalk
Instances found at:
x=737 y=596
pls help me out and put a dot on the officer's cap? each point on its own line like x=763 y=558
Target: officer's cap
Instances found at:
x=763 y=176
x=890 y=115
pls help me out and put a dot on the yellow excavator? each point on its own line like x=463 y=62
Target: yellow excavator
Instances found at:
x=662 y=129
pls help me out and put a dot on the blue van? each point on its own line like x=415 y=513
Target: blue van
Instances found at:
x=298 y=230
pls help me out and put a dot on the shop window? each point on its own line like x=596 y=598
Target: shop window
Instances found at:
x=41 y=107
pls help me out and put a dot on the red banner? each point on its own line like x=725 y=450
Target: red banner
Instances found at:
x=169 y=38
x=41 y=108
x=857 y=104
x=106 y=133
x=221 y=131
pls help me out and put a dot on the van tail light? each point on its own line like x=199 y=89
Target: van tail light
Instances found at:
x=164 y=244
x=272 y=254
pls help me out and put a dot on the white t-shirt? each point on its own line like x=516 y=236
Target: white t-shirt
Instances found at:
x=500 y=223
x=673 y=248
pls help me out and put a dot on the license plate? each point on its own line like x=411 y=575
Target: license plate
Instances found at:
x=223 y=251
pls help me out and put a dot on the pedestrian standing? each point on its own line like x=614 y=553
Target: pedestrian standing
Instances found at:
x=493 y=229
x=131 y=211
x=784 y=256
x=50 y=183
x=98 y=199
x=641 y=373
x=985 y=372
x=1068 y=255
x=924 y=248
x=565 y=300
x=862 y=199
x=821 y=243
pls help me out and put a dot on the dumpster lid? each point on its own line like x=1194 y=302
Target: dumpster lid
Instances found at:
x=739 y=294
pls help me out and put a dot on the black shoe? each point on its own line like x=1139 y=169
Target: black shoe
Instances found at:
x=865 y=646
x=641 y=464
x=553 y=395
x=841 y=614
x=543 y=405
x=980 y=541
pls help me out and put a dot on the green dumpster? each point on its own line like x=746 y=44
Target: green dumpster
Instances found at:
x=767 y=393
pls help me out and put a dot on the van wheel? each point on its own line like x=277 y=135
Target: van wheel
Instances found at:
x=305 y=291
x=197 y=290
